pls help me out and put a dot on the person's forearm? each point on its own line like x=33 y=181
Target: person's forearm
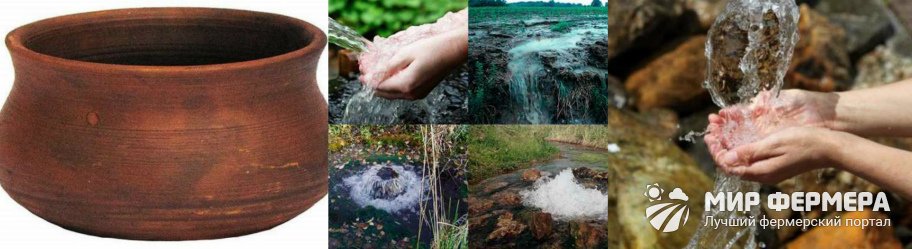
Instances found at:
x=460 y=45
x=879 y=111
x=882 y=165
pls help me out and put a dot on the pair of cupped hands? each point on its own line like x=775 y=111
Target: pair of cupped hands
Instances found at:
x=418 y=68
x=793 y=133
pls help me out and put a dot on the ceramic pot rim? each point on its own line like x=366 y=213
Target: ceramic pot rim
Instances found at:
x=15 y=43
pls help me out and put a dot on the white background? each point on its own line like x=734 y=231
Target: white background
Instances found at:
x=21 y=229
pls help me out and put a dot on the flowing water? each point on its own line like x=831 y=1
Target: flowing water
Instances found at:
x=346 y=37
x=565 y=198
x=748 y=50
x=530 y=76
x=559 y=191
x=364 y=107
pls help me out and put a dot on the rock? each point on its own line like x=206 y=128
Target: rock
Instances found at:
x=507 y=199
x=540 y=225
x=531 y=175
x=586 y=235
x=387 y=173
x=477 y=221
x=821 y=60
x=865 y=23
x=589 y=174
x=638 y=26
x=882 y=66
x=849 y=236
x=656 y=159
x=706 y=10
x=479 y=205
x=506 y=228
x=598 y=54
x=673 y=80
x=490 y=188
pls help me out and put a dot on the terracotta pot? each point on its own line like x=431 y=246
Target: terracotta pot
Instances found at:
x=165 y=123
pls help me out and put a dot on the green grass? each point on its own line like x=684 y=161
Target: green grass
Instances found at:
x=498 y=149
x=561 y=26
x=484 y=14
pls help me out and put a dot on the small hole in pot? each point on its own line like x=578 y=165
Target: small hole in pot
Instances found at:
x=170 y=41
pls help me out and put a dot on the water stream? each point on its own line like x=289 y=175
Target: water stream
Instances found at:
x=346 y=37
x=530 y=77
x=749 y=49
x=364 y=107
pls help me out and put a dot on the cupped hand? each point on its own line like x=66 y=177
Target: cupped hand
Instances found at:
x=420 y=66
x=780 y=155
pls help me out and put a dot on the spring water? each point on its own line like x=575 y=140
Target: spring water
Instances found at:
x=749 y=49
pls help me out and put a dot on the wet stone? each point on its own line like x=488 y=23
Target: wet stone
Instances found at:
x=387 y=173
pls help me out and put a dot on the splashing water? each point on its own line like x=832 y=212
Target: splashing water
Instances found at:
x=528 y=71
x=565 y=198
x=392 y=188
x=346 y=37
x=364 y=107
x=748 y=50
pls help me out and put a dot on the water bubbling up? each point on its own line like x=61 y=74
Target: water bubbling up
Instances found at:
x=392 y=188
x=565 y=198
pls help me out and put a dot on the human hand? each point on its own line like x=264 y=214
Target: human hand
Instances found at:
x=419 y=67
x=766 y=114
x=780 y=155
x=797 y=107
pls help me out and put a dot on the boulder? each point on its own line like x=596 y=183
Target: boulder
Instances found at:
x=586 y=235
x=479 y=205
x=848 y=236
x=865 y=23
x=657 y=159
x=507 y=199
x=639 y=26
x=506 y=228
x=673 y=80
x=882 y=66
x=821 y=59
x=706 y=10
x=531 y=175
x=541 y=226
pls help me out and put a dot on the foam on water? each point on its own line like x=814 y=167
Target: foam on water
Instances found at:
x=565 y=198
x=394 y=195
x=526 y=69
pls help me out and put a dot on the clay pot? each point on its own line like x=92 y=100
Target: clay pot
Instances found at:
x=165 y=123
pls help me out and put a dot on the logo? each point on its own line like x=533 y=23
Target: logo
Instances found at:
x=666 y=214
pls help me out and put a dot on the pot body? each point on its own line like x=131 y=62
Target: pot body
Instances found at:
x=163 y=152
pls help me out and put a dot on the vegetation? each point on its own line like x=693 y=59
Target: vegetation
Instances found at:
x=448 y=225
x=516 y=12
x=483 y=3
x=497 y=149
x=561 y=26
x=386 y=17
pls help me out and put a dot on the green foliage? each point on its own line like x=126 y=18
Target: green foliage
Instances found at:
x=596 y=3
x=562 y=26
x=480 y=3
x=386 y=17
x=513 y=12
x=498 y=149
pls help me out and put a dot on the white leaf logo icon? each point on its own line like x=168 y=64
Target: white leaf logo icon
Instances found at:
x=669 y=214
